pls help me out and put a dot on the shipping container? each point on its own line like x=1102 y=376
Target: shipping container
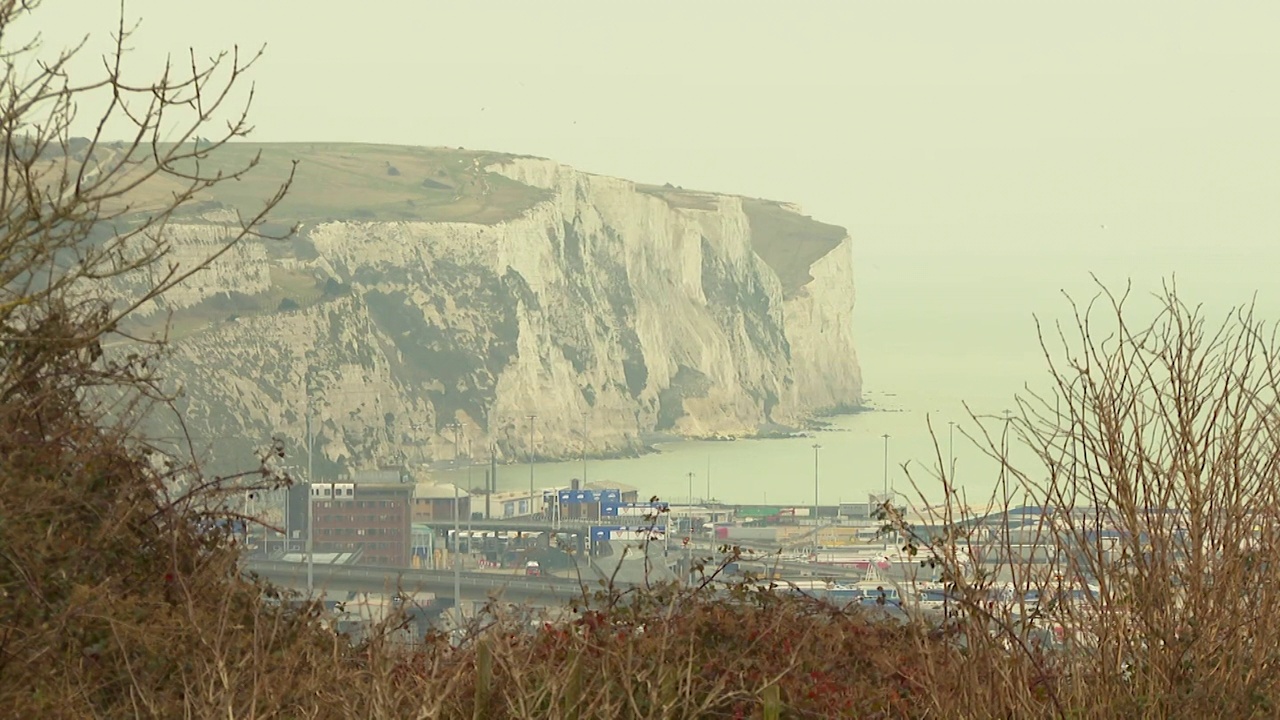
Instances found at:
x=756 y=511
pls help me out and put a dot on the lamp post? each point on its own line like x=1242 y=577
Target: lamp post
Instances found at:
x=584 y=450
x=532 y=418
x=951 y=450
x=310 y=500
x=816 y=448
x=457 y=557
x=688 y=537
x=471 y=494
x=886 y=464
x=1004 y=461
x=708 y=498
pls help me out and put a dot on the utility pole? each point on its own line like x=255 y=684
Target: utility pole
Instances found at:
x=532 y=418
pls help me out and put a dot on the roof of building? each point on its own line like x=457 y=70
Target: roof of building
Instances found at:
x=438 y=491
x=610 y=485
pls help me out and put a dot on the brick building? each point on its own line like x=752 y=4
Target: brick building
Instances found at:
x=373 y=519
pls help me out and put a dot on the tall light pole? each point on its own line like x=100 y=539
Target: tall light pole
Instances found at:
x=457 y=557
x=688 y=537
x=1004 y=459
x=708 y=478
x=471 y=493
x=951 y=451
x=532 y=418
x=584 y=450
x=310 y=500
x=816 y=448
x=886 y=463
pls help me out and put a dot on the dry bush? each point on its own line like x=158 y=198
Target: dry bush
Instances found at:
x=675 y=653
x=1145 y=587
x=119 y=594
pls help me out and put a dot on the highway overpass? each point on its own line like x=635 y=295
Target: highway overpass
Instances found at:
x=334 y=579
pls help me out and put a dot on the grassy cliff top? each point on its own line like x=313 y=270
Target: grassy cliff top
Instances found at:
x=349 y=181
x=790 y=243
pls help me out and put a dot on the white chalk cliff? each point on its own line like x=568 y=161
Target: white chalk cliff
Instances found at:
x=628 y=309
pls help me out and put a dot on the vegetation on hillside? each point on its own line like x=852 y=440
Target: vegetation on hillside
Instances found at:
x=120 y=594
x=355 y=182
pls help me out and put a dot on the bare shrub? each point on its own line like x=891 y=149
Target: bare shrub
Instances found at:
x=1141 y=581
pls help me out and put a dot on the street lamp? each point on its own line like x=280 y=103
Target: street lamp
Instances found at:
x=457 y=556
x=1004 y=459
x=688 y=537
x=310 y=500
x=886 y=464
x=584 y=449
x=532 y=418
x=816 y=448
x=471 y=493
x=951 y=450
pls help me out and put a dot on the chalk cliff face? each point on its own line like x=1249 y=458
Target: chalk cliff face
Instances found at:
x=622 y=309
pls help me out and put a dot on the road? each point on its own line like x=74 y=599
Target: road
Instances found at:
x=358 y=578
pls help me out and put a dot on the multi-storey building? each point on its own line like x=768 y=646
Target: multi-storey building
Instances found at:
x=373 y=519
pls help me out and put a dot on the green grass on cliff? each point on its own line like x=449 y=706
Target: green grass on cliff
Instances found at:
x=789 y=242
x=340 y=181
x=290 y=290
x=386 y=183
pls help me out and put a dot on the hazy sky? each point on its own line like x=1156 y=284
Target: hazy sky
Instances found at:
x=975 y=150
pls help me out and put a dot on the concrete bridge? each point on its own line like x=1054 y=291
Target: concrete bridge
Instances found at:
x=364 y=578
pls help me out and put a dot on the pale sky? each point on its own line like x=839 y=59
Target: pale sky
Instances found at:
x=975 y=150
